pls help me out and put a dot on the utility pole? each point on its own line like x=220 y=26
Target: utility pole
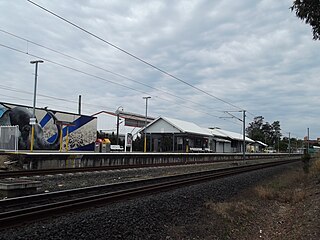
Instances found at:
x=79 y=105
x=145 y=125
x=243 y=120
x=118 y=113
x=244 y=134
x=308 y=140
x=33 y=119
x=278 y=135
x=289 y=144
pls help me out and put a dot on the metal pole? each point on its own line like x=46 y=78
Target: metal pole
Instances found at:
x=289 y=144
x=244 y=135
x=118 y=116
x=118 y=128
x=67 y=139
x=79 y=105
x=145 y=125
x=308 y=141
x=34 y=101
x=61 y=138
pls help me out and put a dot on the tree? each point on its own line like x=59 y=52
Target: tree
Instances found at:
x=309 y=12
x=254 y=129
x=264 y=132
x=268 y=133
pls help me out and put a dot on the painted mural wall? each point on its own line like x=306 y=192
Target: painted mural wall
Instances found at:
x=81 y=133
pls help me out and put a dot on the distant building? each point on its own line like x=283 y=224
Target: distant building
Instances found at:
x=107 y=123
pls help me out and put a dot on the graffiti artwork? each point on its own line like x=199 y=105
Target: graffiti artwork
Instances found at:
x=81 y=134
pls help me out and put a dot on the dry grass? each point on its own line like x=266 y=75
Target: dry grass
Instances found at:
x=240 y=218
x=230 y=211
x=288 y=187
x=315 y=167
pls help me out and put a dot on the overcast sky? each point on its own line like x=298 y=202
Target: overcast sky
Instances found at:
x=228 y=55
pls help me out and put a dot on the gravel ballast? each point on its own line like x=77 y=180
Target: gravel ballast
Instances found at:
x=159 y=216
x=51 y=183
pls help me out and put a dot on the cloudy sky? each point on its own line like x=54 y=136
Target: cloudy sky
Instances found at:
x=218 y=55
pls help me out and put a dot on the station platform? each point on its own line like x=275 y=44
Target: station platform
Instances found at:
x=55 y=159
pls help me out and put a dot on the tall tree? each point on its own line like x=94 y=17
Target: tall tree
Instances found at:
x=268 y=133
x=309 y=12
x=264 y=132
x=254 y=129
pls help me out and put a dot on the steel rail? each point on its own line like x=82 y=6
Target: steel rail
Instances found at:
x=19 y=216
x=41 y=172
x=19 y=173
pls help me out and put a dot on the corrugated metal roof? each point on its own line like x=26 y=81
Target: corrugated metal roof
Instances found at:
x=233 y=135
x=262 y=143
x=221 y=140
x=217 y=133
x=188 y=127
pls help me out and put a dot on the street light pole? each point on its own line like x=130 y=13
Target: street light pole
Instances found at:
x=244 y=134
x=145 y=124
x=118 y=112
x=308 y=140
x=33 y=120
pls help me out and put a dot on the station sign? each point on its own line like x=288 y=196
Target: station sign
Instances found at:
x=32 y=121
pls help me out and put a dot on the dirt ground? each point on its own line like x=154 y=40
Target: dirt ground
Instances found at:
x=285 y=207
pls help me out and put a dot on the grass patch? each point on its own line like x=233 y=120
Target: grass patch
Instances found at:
x=244 y=216
x=315 y=167
x=290 y=186
x=231 y=211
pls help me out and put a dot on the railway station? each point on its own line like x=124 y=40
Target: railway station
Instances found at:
x=64 y=139
x=64 y=131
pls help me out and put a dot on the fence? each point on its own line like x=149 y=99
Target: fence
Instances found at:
x=9 y=136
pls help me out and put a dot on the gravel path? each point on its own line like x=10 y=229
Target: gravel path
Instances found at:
x=158 y=216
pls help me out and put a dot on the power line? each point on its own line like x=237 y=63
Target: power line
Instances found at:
x=100 y=78
x=39 y=101
x=98 y=67
x=130 y=54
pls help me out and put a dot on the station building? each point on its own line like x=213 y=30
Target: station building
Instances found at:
x=173 y=135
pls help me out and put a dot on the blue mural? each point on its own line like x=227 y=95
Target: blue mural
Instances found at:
x=81 y=132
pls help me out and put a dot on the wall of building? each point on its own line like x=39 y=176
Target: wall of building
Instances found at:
x=82 y=131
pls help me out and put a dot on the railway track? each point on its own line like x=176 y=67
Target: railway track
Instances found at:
x=41 y=172
x=20 y=173
x=15 y=211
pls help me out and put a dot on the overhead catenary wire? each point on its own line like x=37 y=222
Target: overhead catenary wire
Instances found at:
x=98 y=67
x=49 y=97
x=132 y=55
x=25 y=99
x=101 y=78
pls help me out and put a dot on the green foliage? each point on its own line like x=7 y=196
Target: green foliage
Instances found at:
x=264 y=132
x=309 y=12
